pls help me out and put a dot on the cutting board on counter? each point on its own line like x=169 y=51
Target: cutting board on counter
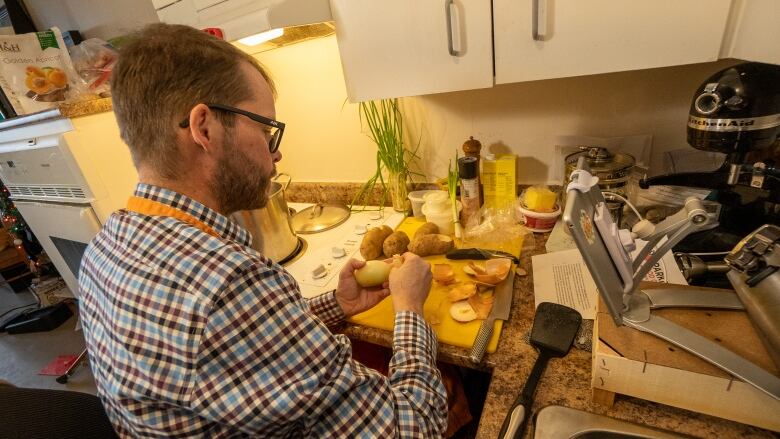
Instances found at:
x=437 y=307
x=630 y=362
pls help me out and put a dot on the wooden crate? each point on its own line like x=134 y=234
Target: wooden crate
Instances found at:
x=631 y=362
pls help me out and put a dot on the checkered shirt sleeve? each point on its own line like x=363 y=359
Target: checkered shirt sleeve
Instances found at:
x=327 y=308
x=269 y=367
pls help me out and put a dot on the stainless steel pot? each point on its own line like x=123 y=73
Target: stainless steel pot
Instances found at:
x=271 y=226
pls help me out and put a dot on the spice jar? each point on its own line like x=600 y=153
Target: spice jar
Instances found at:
x=468 y=170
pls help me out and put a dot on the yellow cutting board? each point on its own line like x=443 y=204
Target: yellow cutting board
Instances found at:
x=437 y=307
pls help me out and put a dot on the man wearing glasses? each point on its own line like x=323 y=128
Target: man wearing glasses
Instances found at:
x=190 y=332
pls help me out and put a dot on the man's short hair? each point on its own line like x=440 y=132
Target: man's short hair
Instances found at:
x=161 y=74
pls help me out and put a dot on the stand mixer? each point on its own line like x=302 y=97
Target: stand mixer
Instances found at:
x=736 y=112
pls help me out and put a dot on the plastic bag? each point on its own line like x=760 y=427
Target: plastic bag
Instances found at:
x=94 y=59
x=499 y=230
x=36 y=72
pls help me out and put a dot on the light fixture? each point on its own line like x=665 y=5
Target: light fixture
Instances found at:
x=254 y=40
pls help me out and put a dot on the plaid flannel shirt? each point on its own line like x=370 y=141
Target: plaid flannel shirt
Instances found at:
x=195 y=335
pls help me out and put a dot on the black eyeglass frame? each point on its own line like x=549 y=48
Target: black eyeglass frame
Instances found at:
x=276 y=138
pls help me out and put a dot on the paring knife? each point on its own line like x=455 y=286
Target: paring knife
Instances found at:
x=480 y=253
x=502 y=302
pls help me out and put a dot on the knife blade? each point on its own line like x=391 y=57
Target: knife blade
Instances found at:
x=480 y=253
x=502 y=303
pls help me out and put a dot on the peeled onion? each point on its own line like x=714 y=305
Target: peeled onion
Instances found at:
x=373 y=274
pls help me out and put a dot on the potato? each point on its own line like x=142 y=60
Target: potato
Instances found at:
x=426 y=229
x=427 y=245
x=395 y=244
x=371 y=246
x=373 y=274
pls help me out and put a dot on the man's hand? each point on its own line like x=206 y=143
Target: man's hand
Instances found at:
x=353 y=298
x=410 y=283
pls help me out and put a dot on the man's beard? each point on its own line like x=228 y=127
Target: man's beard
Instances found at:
x=237 y=183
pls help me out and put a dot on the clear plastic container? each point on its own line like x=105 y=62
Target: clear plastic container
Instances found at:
x=417 y=200
x=441 y=215
x=437 y=201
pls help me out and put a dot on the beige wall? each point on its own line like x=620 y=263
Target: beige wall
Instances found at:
x=323 y=141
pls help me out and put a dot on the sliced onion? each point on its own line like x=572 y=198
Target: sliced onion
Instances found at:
x=443 y=273
x=481 y=303
x=461 y=291
x=462 y=312
x=496 y=271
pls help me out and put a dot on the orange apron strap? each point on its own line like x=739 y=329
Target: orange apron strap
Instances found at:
x=146 y=206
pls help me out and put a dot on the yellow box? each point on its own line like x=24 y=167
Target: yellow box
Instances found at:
x=499 y=180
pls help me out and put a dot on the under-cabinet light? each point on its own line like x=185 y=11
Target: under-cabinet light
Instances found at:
x=254 y=40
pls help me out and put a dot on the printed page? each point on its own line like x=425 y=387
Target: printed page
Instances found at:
x=562 y=277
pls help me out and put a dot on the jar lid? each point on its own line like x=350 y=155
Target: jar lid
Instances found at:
x=468 y=167
x=436 y=196
x=319 y=218
x=601 y=160
x=437 y=201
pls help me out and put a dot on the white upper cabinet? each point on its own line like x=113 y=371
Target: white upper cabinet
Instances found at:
x=754 y=31
x=412 y=47
x=583 y=37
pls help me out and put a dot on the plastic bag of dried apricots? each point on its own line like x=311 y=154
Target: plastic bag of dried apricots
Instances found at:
x=36 y=72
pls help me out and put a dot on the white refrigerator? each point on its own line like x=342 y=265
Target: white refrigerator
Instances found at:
x=66 y=176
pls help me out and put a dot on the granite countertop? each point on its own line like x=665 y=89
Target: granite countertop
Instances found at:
x=67 y=109
x=86 y=107
x=566 y=381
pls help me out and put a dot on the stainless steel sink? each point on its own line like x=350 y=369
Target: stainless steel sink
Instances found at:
x=556 y=422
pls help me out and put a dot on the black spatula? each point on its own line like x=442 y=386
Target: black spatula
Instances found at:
x=553 y=333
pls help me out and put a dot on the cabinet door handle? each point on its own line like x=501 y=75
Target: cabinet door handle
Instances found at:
x=539 y=16
x=448 y=5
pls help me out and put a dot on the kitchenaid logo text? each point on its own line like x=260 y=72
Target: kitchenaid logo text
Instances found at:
x=722 y=122
x=756 y=123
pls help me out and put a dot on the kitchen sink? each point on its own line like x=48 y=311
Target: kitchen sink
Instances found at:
x=557 y=422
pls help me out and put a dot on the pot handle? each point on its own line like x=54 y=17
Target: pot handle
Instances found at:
x=289 y=179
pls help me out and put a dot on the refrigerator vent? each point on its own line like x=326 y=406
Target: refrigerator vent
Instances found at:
x=47 y=192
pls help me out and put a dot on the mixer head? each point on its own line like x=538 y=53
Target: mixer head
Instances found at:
x=737 y=111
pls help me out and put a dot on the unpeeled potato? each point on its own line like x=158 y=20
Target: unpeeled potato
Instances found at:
x=395 y=244
x=426 y=229
x=435 y=244
x=371 y=246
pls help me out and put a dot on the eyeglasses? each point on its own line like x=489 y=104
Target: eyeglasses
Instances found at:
x=277 y=128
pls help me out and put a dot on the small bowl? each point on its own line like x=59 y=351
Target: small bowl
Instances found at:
x=539 y=222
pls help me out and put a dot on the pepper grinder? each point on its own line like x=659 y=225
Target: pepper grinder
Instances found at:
x=472 y=148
